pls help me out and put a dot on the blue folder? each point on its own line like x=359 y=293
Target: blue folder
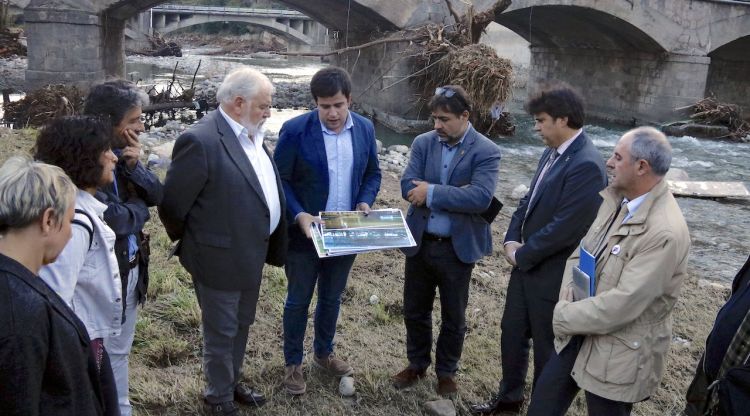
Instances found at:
x=587 y=264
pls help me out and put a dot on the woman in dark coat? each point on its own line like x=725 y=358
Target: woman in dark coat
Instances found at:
x=45 y=364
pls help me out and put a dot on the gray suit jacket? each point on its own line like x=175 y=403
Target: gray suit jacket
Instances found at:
x=472 y=177
x=214 y=203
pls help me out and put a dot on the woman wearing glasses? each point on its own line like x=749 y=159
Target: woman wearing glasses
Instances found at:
x=85 y=274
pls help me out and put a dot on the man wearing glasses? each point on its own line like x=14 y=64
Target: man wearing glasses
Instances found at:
x=449 y=182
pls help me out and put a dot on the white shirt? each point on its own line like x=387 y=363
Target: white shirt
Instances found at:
x=88 y=279
x=261 y=165
x=633 y=205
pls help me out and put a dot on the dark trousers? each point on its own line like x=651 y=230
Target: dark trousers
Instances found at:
x=436 y=266
x=226 y=316
x=527 y=316
x=556 y=389
x=304 y=270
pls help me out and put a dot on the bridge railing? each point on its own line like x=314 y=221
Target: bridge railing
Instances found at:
x=233 y=11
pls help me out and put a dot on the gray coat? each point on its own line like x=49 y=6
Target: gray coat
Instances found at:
x=214 y=203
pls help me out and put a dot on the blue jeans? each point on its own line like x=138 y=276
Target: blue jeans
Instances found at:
x=303 y=270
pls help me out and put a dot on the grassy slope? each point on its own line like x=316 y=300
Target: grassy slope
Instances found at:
x=165 y=364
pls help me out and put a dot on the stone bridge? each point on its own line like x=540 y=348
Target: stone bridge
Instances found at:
x=166 y=18
x=634 y=60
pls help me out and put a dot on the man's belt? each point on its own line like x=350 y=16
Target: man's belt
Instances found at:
x=433 y=237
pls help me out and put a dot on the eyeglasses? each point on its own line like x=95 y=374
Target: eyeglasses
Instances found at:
x=445 y=91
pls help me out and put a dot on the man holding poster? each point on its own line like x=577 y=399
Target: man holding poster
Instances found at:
x=327 y=161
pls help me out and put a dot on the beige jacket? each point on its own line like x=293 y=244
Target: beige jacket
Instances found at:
x=628 y=324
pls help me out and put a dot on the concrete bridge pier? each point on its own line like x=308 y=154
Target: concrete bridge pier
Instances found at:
x=381 y=83
x=625 y=86
x=55 y=33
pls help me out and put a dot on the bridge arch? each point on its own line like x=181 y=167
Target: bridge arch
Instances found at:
x=584 y=25
x=272 y=26
x=729 y=31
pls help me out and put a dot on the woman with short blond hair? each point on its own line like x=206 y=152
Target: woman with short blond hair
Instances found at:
x=45 y=363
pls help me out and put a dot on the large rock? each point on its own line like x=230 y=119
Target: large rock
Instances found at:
x=440 y=408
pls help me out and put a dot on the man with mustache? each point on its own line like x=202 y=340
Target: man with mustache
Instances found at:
x=449 y=182
x=223 y=200
x=328 y=161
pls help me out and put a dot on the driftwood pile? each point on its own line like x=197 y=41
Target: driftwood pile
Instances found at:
x=709 y=111
x=44 y=104
x=161 y=47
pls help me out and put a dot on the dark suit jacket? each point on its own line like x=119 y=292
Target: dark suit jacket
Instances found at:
x=303 y=166
x=214 y=203
x=46 y=366
x=472 y=177
x=561 y=213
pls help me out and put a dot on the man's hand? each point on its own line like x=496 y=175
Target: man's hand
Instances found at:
x=304 y=220
x=418 y=194
x=364 y=207
x=510 y=251
x=132 y=151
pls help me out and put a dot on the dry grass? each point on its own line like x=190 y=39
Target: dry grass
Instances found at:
x=372 y=337
x=166 y=377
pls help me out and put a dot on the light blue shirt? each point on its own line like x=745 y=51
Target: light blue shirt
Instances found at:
x=340 y=156
x=633 y=205
x=439 y=222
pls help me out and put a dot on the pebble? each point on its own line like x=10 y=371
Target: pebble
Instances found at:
x=346 y=386
x=440 y=408
x=519 y=191
x=374 y=300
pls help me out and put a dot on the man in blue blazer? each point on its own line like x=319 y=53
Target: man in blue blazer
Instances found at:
x=449 y=182
x=328 y=161
x=545 y=229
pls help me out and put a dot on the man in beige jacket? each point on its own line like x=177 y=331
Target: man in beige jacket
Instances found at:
x=613 y=345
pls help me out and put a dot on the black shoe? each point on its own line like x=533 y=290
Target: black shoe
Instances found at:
x=496 y=405
x=222 y=409
x=249 y=396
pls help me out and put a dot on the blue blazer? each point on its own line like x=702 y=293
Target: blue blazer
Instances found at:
x=301 y=158
x=563 y=209
x=472 y=177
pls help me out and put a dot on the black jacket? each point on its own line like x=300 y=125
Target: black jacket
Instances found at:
x=45 y=364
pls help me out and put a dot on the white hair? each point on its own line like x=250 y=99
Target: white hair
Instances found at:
x=28 y=188
x=243 y=82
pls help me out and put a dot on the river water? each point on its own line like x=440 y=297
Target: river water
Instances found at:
x=719 y=228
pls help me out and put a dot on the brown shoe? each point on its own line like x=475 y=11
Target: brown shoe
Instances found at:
x=407 y=377
x=334 y=366
x=294 y=381
x=446 y=386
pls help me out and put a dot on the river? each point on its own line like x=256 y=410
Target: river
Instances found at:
x=719 y=228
